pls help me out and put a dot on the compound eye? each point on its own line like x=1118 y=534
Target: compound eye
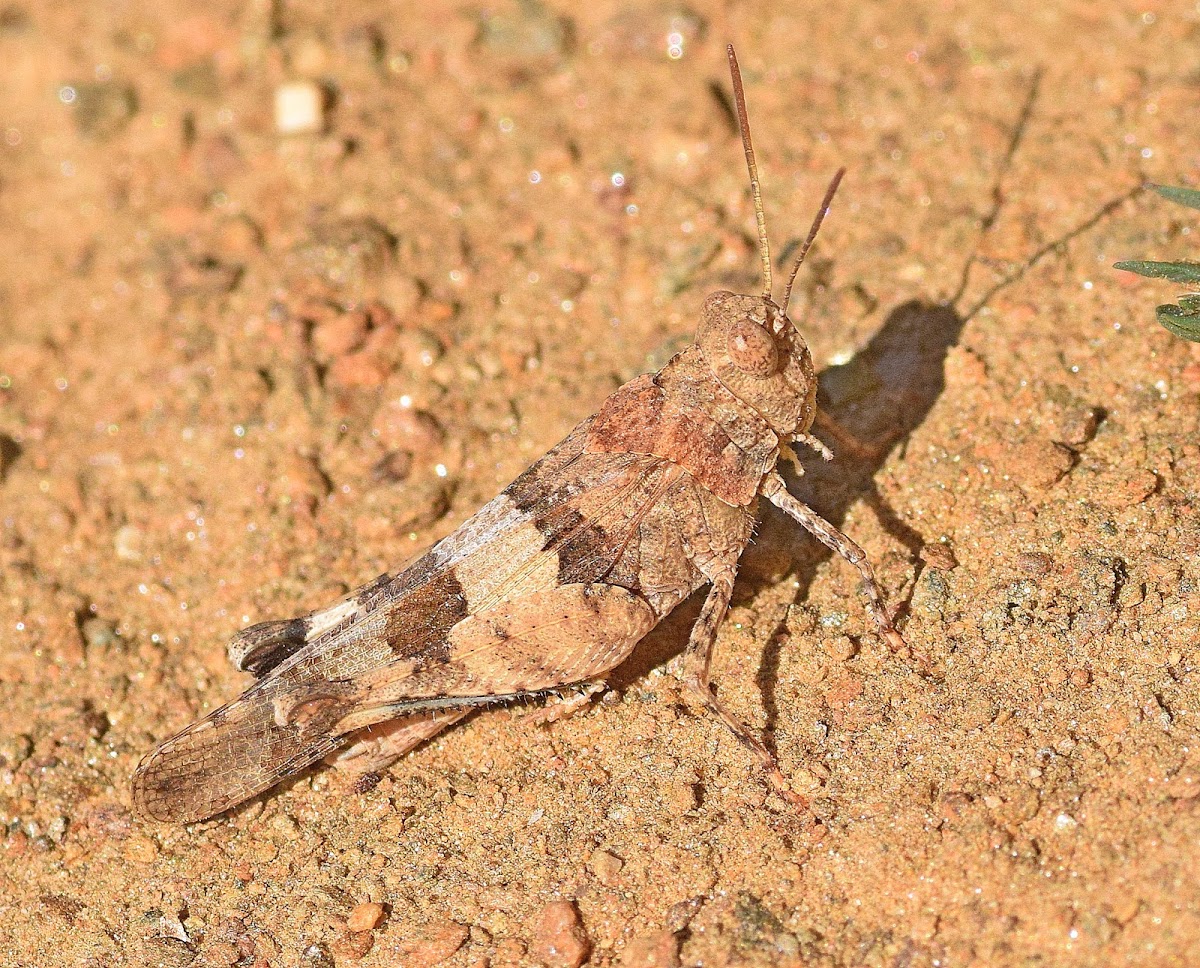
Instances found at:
x=752 y=349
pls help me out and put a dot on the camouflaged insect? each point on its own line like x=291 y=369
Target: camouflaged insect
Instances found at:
x=551 y=584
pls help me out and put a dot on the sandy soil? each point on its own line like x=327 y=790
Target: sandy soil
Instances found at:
x=242 y=372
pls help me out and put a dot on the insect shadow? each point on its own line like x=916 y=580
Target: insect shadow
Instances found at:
x=879 y=397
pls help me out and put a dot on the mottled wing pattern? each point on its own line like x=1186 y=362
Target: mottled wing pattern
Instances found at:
x=574 y=520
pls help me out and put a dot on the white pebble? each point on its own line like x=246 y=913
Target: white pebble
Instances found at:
x=299 y=108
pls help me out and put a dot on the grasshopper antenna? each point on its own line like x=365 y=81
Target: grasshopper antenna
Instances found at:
x=812 y=234
x=739 y=100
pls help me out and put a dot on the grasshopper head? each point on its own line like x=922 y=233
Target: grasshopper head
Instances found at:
x=748 y=341
x=757 y=354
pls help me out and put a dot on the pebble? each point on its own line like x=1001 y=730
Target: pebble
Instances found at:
x=359 y=370
x=1078 y=425
x=141 y=850
x=353 y=945
x=98 y=633
x=559 y=940
x=340 y=334
x=128 y=543
x=15 y=750
x=315 y=956
x=299 y=108
x=535 y=33
x=345 y=251
x=365 y=916
x=605 y=866
x=1064 y=822
x=309 y=57
x=1035 y=563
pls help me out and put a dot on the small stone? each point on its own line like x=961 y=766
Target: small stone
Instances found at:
x=1078 y=425
x=128 y=543
x=340 y=335
x=533 y=34
x=1035 y=563
x=365 y=917
x=401 y=292
x=345 y=252
x=56 y=829
x=1125 y=909
x=353 y=945
x=559 y=940
x=425 y=502
x=299 y=108
x=364 y=43
x=309 y=57
x=163 y=953
x=15 y=750
x=679 y=795
x=98 y=633
x=605 y=866
x=359 y=370
x=197 y=79
x=285 y=827
x=315 y=956
x=841 y=648
x=219 y=954
x=953 y=805
x=1036 y=464
x=1065 y=822
x=300 y=481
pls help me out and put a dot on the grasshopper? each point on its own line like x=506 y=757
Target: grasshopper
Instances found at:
x=553 y=583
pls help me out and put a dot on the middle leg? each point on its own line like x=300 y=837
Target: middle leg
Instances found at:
x=777 y=493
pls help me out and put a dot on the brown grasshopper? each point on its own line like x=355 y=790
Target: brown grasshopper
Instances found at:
x=552 y=583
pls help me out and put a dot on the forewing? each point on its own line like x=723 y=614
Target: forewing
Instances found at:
x=571 y=515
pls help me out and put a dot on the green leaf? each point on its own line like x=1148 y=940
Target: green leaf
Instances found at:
x=1185 y=272
x=1184 y=320
x=1184 y=196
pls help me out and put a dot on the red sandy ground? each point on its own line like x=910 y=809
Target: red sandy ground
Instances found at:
x=206 y=333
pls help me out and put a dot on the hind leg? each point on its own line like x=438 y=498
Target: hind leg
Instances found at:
x=377 y=747
x=697 y=662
